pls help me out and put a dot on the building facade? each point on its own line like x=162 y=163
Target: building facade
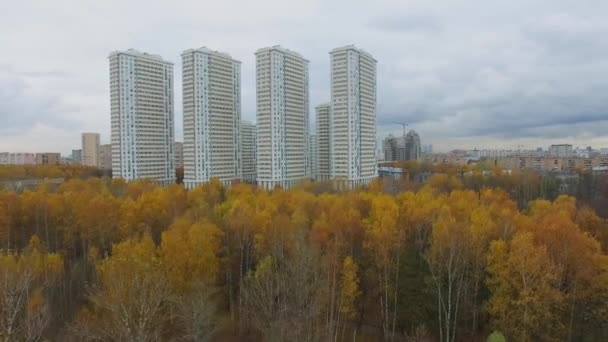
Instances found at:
x=313 y=156
x=413 y=149
x=324 y=141
x=141 y=105
x=561 y=150
x=178 y=153
x=248 y=150
x=353 y=98
x=212 y=117
x=48 y=158
x=394 y=148
x=77 y=156
x=105 y=157
x=21 y=158
x=90 y=149
x=282 y=117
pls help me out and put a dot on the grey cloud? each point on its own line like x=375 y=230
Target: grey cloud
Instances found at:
x=21 y=106
x=466 y=71
x=406 y=22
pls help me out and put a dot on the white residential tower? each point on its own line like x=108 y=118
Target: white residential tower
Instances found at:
x=282 y=117
x=353 y=112
x=248 y=150
x=212 y=117
x=141 y=105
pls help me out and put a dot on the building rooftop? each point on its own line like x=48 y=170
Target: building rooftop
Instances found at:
x=208 y=51
x=283 y=50
x=354 y=48
x=136 y=53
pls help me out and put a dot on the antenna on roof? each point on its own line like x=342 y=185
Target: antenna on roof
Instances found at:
x=402 y=124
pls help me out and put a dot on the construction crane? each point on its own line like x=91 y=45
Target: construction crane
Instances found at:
x=402 y=124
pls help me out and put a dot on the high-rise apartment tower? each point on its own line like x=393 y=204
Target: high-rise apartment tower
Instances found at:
x=324 y=140
x=212 y=116
x=141 y=106
x=282 y=117
x=353 y=98
x=248 y=150
x=90 y=149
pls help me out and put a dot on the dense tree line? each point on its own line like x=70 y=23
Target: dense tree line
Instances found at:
x=523 y=186
x=103 y=260
x=67 y=171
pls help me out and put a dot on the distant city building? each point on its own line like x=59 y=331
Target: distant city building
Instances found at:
x=390 y=172
x=4 y=157
x=90 y=149
x=380 y=155
x=561 y=150
x=501 y=153
x=141 y=106
x=406 y=147
x=324 y=141
x=353 y=98
x=427 y=149
x=313 y=156
x=212 y=117
x=394 y=148
x=178 y=154
x=48 y=158
x=604 y=151
x=412 y=146
x=248 y=150
x=551 y=164
x=105 y=157
x=21 y=158
x=76 y=156
x=282 y=117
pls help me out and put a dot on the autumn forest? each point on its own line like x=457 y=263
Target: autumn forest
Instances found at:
x=96 y=259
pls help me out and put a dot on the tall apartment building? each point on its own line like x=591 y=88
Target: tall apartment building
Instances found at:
x=394 y=148
x=105 y=157
x=561 y=150
x=249 y=151
x=77 y=156
x=4 y=156
x=90 y=149
x=282 y=117
x=353 y=98
x=413 y=149
x=21 y=158
x=212 y=116
x=178 y=153
x=141 y=105
x=313 y=156
x=324 y=140
x=48 y=158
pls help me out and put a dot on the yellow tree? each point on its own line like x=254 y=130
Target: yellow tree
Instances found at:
x=383 y=242
x=526 y=302
x=575 y=253
x=132 y=299
x=337 y=231
x=448 y=257
x=190 y=254
x=239 y=214
x=349 y=291
x=24 y=314
x=10 y=211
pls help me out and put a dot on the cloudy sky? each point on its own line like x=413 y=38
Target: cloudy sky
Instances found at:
x=464 y=74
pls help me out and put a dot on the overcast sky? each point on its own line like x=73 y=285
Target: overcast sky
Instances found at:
x=464 y=74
